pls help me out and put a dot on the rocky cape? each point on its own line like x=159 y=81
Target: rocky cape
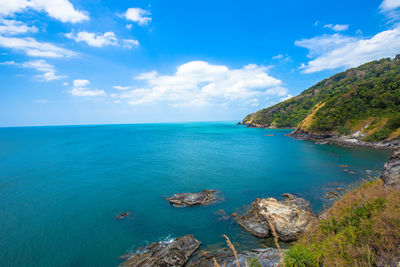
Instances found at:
x=358 y=107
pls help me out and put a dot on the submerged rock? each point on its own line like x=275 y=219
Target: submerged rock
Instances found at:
x=290 y=217
x=331 y=195
x=267 y=257
x=191 y=199
x=122 y=215
x=163 y=254
x=391 y=171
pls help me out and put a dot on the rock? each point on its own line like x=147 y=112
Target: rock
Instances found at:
x=391 y=171
x=344 y=166
x=191 y=199
x=252 y=222
x=267 y=257
x=163 y=254
x=123 y=215
x=290 y=217
x=222 y=215
x=352 y=172
x=331 y=195
x=268 y=135
x=346 y=170
x=340 y=189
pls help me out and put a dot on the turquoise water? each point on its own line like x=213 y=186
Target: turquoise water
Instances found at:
x=61 y=187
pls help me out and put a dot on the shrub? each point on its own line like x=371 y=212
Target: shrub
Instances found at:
x=362 y=229
x=300 y=256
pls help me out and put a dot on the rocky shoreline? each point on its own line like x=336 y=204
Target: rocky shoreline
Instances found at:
x=353 y=140
x=287 y=218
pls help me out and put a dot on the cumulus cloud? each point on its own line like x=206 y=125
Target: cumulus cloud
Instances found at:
x=199 y=83
x=13 y=27
x=138 y=15
x=80 y=88
x=33 y=48
x=336 y=51
x=337 y=27
x=100 y=40
x=61 y=10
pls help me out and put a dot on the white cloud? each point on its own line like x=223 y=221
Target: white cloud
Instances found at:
x=129 y=43
x=389 y=4
x=122 y=88
x=199 y=83
x=289 y=96
x=79 y=83
x=80 y=89
x=94 y=39
x=100 y=40
x=65 y=83
x=337 y=27
x=48 y=71
x=128 y=26
x=335 y=51
x=61 y=10
x=13 y=27
x=33 y=48
x=138 y=15
x=281 y=57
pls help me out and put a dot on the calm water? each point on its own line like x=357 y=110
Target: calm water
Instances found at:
x=61 y=187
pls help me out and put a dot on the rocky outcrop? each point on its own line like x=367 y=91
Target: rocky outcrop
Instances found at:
x=252 y=221
x=191 y=199
x=163 y=254
x=391 y=171
x=267 y=257
x=351 y=141
x=290 y=217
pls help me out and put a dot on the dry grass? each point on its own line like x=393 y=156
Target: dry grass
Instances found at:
x=307 y=122
x=394 y=135
x=271 y=225
x=363 y=229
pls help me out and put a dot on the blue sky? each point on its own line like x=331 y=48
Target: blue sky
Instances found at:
x=94 y=62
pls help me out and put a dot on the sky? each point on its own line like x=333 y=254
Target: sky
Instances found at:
x=73 y=62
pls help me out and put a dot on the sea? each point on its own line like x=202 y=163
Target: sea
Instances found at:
x=61 y=187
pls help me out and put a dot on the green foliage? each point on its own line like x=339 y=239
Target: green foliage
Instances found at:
x=300 y=256
x=253 y=262
x=371 y=90
x=361 y=229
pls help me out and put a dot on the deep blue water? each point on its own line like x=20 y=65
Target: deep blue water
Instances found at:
x=61 y=187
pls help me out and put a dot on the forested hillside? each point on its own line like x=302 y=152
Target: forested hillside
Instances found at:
x=364 y=101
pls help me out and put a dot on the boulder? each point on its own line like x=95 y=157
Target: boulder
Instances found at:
x=391 y=171
x=191 y=199
x=252 y=221
x=290 y=217
x=267 y=257
x=164 y=254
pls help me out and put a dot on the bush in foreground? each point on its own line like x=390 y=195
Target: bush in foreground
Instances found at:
x=361 y=229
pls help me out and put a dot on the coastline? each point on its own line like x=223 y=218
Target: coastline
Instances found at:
x=323 y=139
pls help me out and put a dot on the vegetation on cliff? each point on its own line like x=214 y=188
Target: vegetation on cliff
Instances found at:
x=365 y=99
x=361 y=229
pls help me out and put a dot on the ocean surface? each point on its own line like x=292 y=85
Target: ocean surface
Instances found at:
x=61 y=187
